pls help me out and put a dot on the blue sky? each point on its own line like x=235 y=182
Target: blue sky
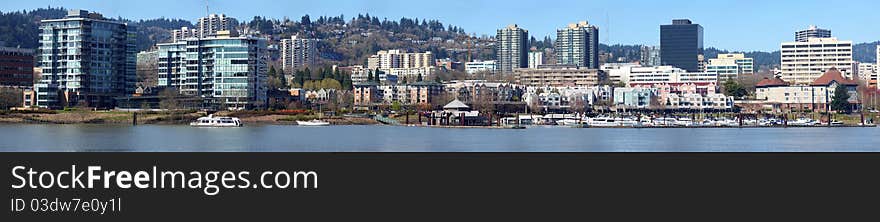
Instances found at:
x=729 y=24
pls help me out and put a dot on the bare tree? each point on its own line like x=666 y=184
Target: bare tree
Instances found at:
x=10 y=98
x=483 y=103
x=578 y=104
x=169 y=99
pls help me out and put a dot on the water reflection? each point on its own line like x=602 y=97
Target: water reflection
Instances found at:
x=261 y=138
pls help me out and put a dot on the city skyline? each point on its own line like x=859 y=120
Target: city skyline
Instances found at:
x=727 y=23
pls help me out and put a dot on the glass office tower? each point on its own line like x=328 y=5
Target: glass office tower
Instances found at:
x=681 y=43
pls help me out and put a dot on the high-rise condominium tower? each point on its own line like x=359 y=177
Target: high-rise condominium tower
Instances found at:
x=86 y=60
x=578 y=44
x=812 y=32
x=512 y=48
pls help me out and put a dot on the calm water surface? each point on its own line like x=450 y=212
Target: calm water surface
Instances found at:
x=416 y=139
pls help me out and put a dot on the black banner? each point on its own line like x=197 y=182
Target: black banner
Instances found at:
x=446 y=186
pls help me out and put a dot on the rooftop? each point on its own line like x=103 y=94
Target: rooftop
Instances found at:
x=456 y=104
x=768 y=82
x=833 y=75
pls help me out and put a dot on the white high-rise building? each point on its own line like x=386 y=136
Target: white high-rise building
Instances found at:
x=803 y=62
x=207 y=27
x=183 y=33
x=536 y=59
x=578 y=44
x=812 y=32
x=228 y=71
x=86 y=59
x=214 y=23
x=731 y=65
x=297 y=53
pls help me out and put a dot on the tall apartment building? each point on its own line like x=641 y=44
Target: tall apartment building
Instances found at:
x=512 y=48
x=183 y=33
x=650 y=56
x=214 y=23
x=804 y=62
x=16 y=67
x=206 y=27
x=230 y=72
x=536 y=59
x=681 y=44
x=811 y=32
x=297 y=53
x=86 y=60
x=578 y=44
x=730 y=66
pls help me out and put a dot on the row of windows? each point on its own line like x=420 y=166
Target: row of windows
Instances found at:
x=816 y=45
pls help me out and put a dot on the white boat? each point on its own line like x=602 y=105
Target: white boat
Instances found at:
x=707 y=123
x=684 y=122
x=664 y=121
x=646 y=122
x=627 y=121
x=568 y=122
x=804 y=122
x=313 y=122
x=603 y=122
x=211 y=121
x=727 y=122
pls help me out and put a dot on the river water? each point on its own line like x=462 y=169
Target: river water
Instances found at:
x=260 y=138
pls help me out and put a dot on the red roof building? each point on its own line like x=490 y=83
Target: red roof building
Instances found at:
x=770 y=82
x=833 y=75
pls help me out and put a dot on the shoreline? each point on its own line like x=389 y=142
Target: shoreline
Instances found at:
x=338 y=123
x=121 y=118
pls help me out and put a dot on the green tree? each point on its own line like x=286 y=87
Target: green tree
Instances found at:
x=299 y=78
x=419 y=78
x=840 y=100
x=272 y=71
x=346 y=82
x=337 y=75
x=309 y=85
x=330 y=84
x=326 y=73
x=369 y=76
x=734 y=88
x=395 y=106
x=307 y=74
